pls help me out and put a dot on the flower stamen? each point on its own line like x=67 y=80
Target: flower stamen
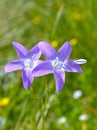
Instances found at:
x=28 y=63
x=57 y=64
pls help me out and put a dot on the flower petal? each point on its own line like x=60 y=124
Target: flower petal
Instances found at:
x=48 y=51
x=65 y=51
x=80 y=61
x=27 y=79
x=35 y=52
x=60 y=80
x=71 y=66
x=13 y=65
x=42 y=69
x=20 y=49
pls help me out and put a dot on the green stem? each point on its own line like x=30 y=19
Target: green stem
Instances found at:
x=34 y=122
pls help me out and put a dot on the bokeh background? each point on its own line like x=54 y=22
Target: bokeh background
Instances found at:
x=40 y=107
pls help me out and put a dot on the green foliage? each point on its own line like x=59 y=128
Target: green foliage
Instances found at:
x=40 y=107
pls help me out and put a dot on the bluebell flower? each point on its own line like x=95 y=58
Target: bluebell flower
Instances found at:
x=26 y=62
x=57 y=63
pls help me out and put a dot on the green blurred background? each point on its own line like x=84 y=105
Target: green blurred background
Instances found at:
x=40 y=107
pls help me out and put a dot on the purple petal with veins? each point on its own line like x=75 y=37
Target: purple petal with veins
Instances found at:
x=13 y=65
x=60 y=80
x=27 y=81
x=71 y=66
x=35 y=52
x=42 y=69
x=48 y=51
x=20 y=49
x=65 y=51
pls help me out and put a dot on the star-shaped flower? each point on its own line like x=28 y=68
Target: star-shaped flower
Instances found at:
x=27 y=61
x=57 y=63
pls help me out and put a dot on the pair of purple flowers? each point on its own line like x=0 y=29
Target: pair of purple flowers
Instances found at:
x=56 y=63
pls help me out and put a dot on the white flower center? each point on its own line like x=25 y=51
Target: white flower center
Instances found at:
x=28 y=63
x=57 y=64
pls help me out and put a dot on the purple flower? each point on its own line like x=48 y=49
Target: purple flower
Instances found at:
x=27 y=61
x=57 y=63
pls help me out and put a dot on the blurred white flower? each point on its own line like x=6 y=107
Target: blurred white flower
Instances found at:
x=83 y=117
x=61 y=120
x=77 y=94
x=2 y=122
